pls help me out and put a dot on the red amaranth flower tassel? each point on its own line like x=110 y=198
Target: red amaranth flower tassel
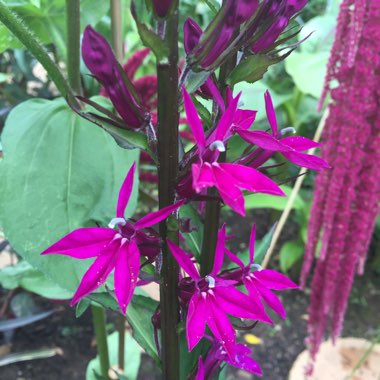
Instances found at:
x=347 y=197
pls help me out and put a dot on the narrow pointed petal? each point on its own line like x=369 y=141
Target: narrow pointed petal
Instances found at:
x=244 y=119
x=82 y=243
x=271 y=300
x=240 y=305
x=200 y=375
x=274 y=280
x=194 y=121
x=127 y=269
x=306 y=160
x=252 y=180
x=228 y=191
x=252 y=239
x=222 y=328
x=125 y=192
x=299 y=143
x=157 y=216
x=203 y=176
x=98 y=272
x=226 y=121
x=219 y=251
x=271 y=114
x=183 y=260
x=215 y=93
x=234 y=258
x=263 y=140
x=197 y=316
x=246 y=363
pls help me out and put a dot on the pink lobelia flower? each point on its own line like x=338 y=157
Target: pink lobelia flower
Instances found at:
x=212 y=298
x=259 y=281
x=217 y=355
x=290 y=147
x=228 y=178
x=117 y=250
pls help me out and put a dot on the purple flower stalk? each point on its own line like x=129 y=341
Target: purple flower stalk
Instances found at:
x=99 y=58
x=212 y=298
x=118 y=250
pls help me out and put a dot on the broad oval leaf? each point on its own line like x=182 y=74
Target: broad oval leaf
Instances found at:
x=58 y=173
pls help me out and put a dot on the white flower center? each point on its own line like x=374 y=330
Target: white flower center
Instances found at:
x=116 y=222
x=218 y=145
x=256 y=267
x=284 y=131
x=211 y=281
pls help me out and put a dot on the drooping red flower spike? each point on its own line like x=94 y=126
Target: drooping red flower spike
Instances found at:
x=118 y=250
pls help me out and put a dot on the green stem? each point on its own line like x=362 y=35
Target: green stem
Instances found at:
x=29 y=40
x=99 y=321
x=73 y=44
x=168 y=119
x=121 y=343
x=116 y=27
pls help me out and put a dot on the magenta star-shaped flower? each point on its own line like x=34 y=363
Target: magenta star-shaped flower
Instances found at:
x=290 y=147
x=228 y=178
x=258 y=281
x=213 y=298
x=115 y=249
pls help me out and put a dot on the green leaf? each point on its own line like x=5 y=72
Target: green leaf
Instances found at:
x=58 y=173
x=194 y=238
x=252 y=68
x=139 y=314
x=23 y=275
x=290 y=253
x=132 y=358
x=269 y=201
x=148 y=37
x=82 y=306
x=308 y=71
x=261 y=247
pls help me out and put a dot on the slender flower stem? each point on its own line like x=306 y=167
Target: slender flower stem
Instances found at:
x=30 y=41
x=99 y=321
x=73 y=44
x=116 y=27
x=121 y=342
x=168 y=119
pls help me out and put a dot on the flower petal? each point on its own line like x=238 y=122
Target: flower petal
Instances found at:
x=245 y=362
x=127 y=269
x=200 y=375
x=234 y=258
x=221 y=327
x=203 y=176
x=228 y=190
x=299 y=143
x=263 y=140
x=194 y=121
x=251 y=179
x=82 y=243
x=306 y=160
x=271 y=114
x=125 y=192
x=157 y=216
x=274 y=280
x=252 y=239
x=226 y=121
x=98 y=272
x=197 y=316
x=244 y=118
x=219 y=251
x=271 y=299
x=183 y=260
x=240 y=305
